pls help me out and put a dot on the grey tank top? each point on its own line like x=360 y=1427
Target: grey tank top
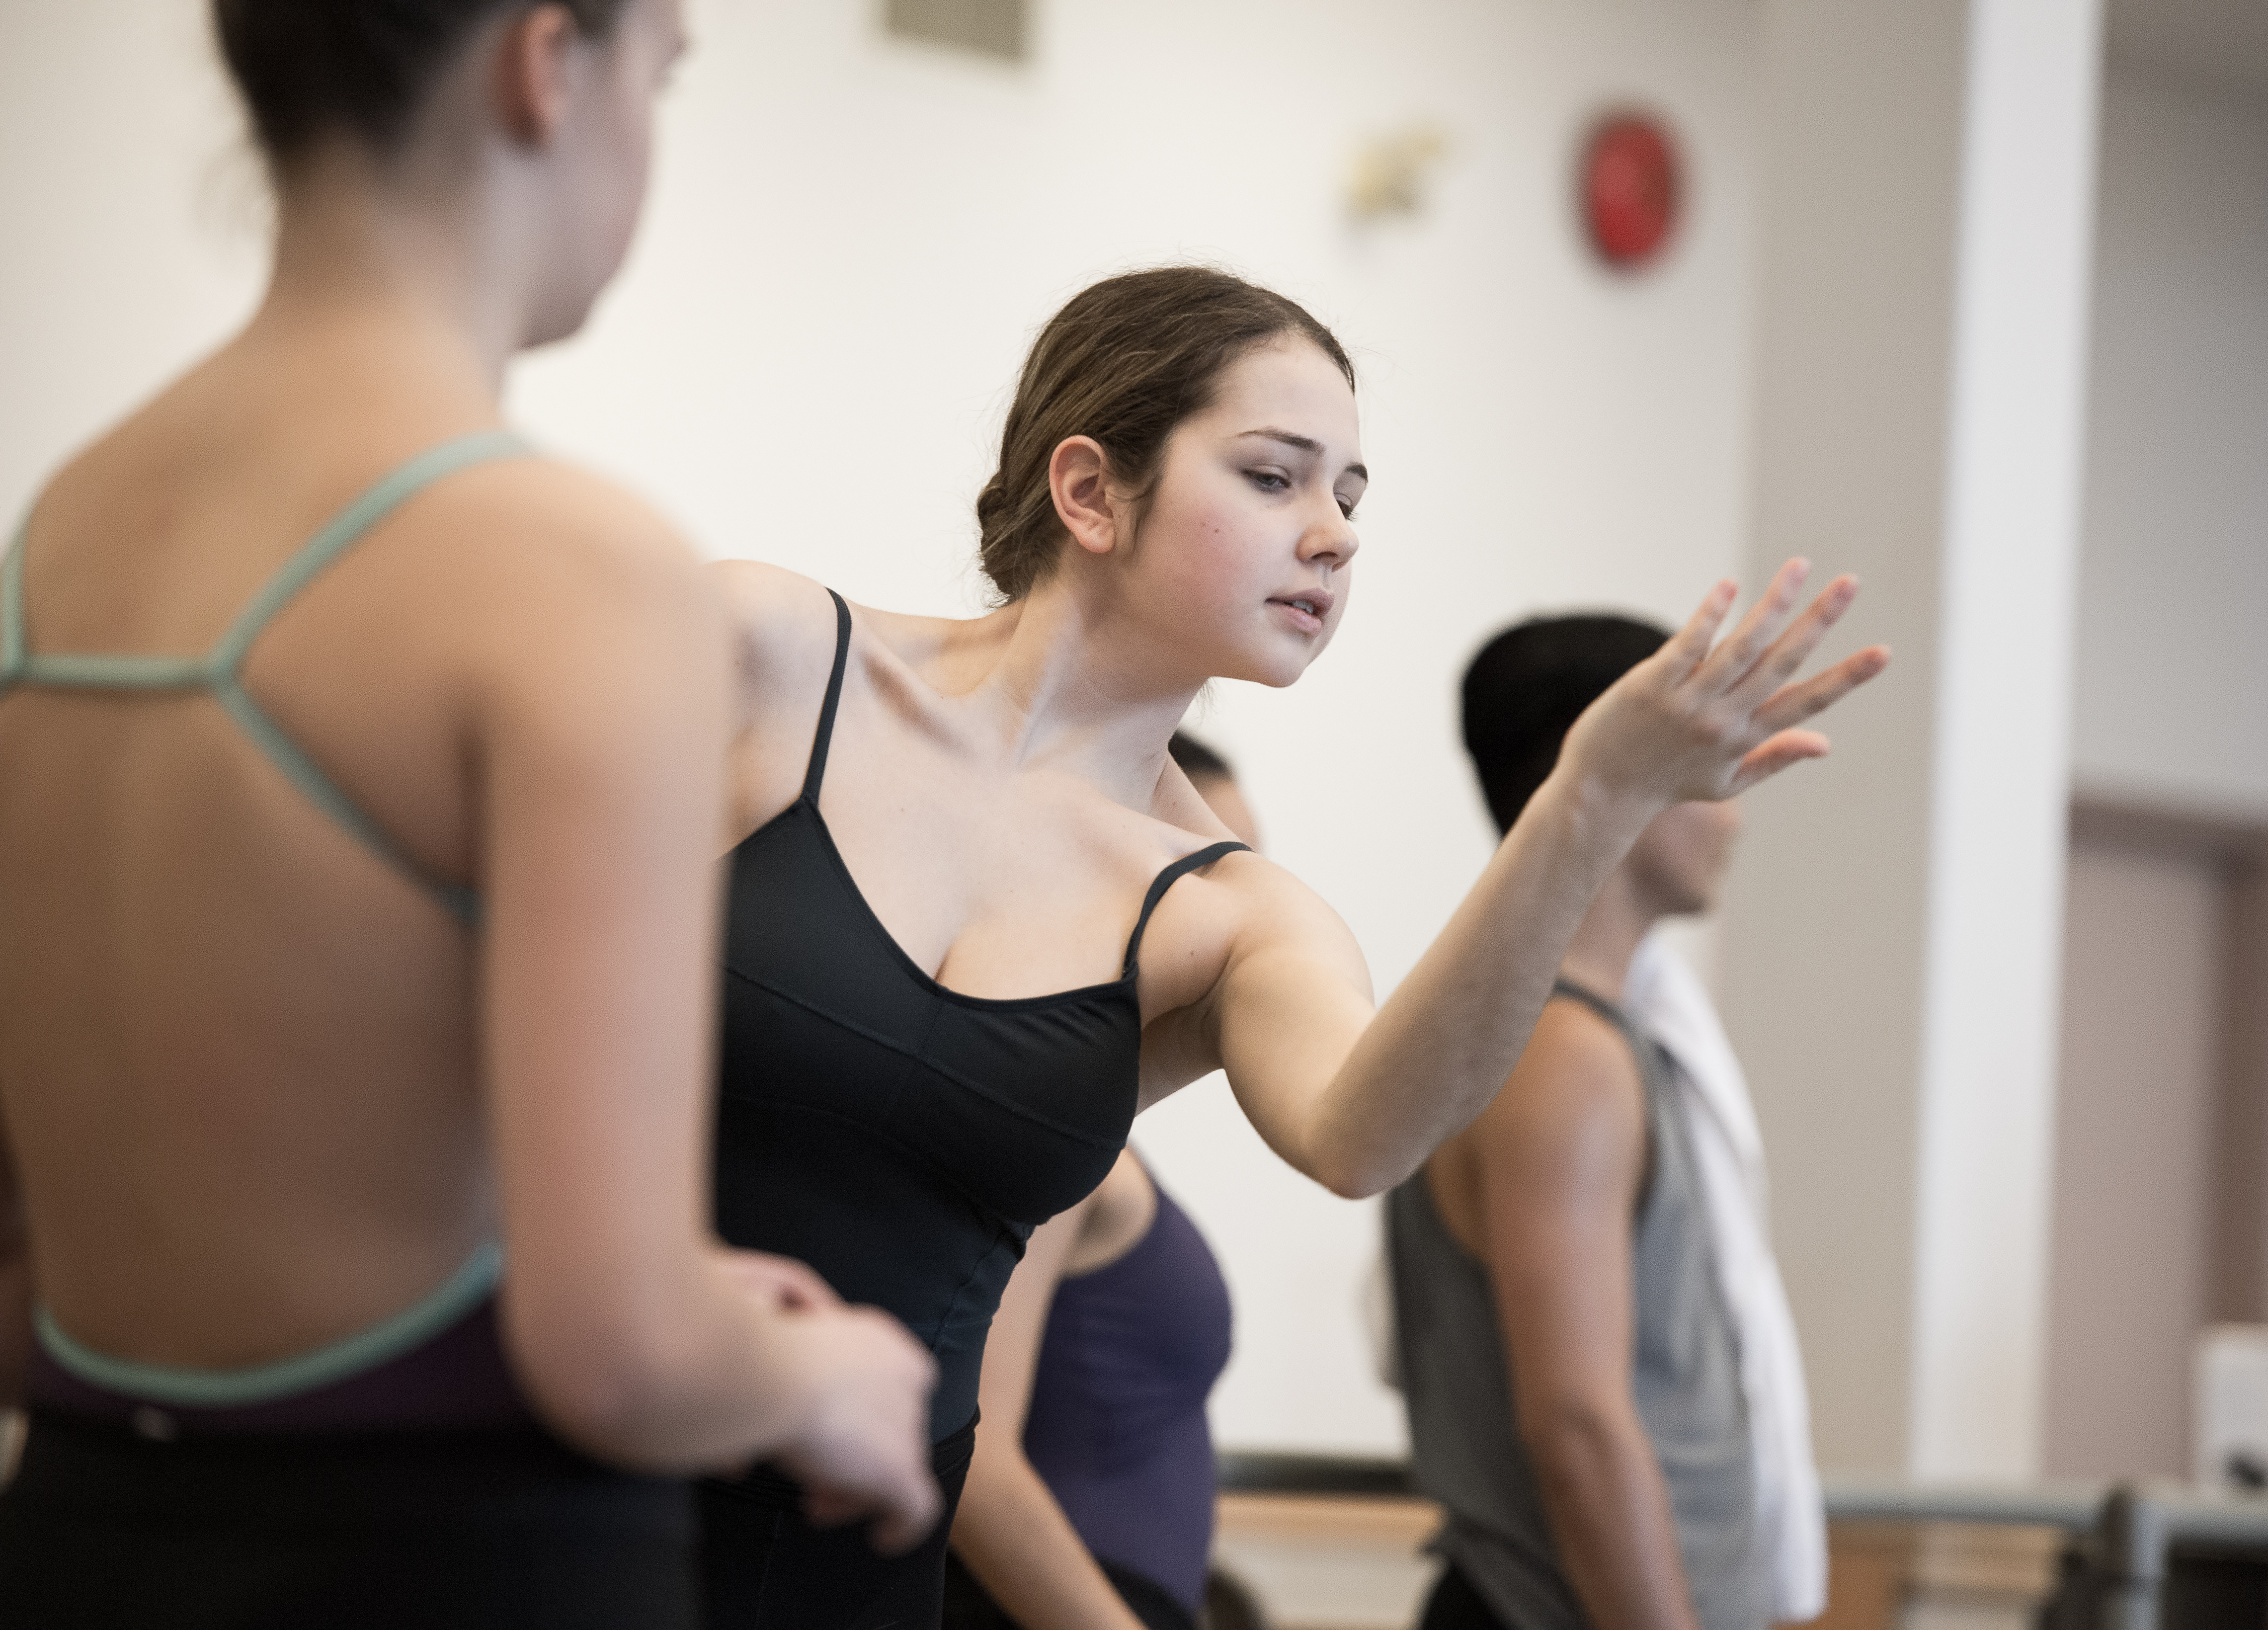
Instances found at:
x=1685 y=1378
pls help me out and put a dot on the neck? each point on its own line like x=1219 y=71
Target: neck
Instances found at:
x=1599 y=956
x=422 y=274
x=1073 y=684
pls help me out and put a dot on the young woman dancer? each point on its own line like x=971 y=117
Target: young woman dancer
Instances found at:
x=359 y=780
x=977 y=922
x=1090 y=1492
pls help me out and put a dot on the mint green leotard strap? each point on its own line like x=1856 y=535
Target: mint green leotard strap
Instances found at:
x=220 y=669
x=303 y=1372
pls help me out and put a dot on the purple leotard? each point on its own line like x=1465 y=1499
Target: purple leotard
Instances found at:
x=1117 y=1423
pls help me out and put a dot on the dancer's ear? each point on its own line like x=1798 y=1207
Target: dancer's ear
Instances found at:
x=531 y=76
x=1079 y=477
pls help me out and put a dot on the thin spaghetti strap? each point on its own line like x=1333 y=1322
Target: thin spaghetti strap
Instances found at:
x=817 y=772
x=1165 y=880
x=220 y=670
x=346 y=529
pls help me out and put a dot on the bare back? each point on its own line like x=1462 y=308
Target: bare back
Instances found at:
x=238 y=1073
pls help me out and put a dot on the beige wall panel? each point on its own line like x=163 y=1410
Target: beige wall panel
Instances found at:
x=2132 y=1261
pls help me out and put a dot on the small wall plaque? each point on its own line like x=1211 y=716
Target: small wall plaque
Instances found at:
x=994 y=27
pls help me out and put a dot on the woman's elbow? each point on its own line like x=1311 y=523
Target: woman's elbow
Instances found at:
x=1353 y=1173
x=1357 y=1183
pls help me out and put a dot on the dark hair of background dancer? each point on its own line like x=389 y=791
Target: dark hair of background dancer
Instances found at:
x=1197 y=761
x=359 y=774
x=1527 y=687
x=1123 y=362
x=308 y=70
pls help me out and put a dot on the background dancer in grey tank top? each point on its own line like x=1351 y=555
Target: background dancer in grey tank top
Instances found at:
x=1570 y=1365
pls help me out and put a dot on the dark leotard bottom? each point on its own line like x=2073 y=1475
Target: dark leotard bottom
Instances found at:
x=1455 y=1605
x=969 y=1606
x=764 y=1566
x=104 y=1529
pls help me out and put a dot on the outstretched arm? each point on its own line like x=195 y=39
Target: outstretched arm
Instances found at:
x=1356 y=1099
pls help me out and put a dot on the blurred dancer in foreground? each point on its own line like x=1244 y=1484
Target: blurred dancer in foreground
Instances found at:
x=978 y=918
x=358 y=779
x=1090 y=1500
x=1574 y=1321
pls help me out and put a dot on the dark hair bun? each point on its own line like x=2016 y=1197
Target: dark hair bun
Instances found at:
x=311 y=69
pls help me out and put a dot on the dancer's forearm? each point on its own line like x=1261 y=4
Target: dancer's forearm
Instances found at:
x=1610 y=1512
x=1015 y=1539
x=1436 y=1051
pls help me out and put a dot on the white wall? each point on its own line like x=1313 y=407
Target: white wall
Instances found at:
x=2174 y=585
x=131 y=237
x=851 y=242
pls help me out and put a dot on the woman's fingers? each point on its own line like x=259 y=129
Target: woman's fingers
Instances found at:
x=782 y=1281
x=1689 y=647
x=1778 y=665
x=908 y=1518
x=1794 y=704
x=1700 y=722
x=1769 y=757
x=1732 y=661
x=900 y=1516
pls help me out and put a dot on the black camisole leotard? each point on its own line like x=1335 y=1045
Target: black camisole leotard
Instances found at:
x=903 y=1140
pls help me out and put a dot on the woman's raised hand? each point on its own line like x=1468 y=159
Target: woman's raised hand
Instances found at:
x=1694 y=722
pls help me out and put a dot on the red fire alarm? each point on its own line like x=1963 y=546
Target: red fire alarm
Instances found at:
x=1630 y=189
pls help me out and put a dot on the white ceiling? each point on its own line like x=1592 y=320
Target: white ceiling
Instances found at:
x=2220 y=45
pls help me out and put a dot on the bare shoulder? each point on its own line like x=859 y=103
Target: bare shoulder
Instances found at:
x=1576 y=1088
x=776 y=607
x=784 y=632
x=560 y=591
x=576 y=522
x=1575 y=1041
x=1278 y=914
x=784 y=628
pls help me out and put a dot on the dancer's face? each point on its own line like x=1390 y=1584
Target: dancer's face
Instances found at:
x=1680 y=860
x=1245 y=544
x=605 y=146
